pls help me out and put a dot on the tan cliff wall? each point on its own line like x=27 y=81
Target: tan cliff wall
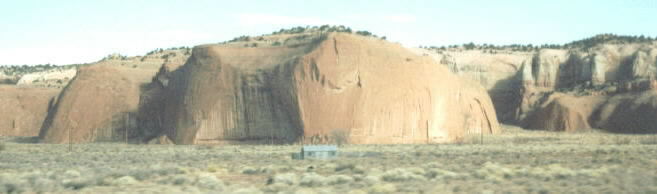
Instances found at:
x=24 y=109
x=374 y=91
x=497 y=72
x=101 y=102
x=95 y=106
x=602 y=72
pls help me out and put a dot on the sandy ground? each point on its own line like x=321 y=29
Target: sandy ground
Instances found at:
x=518 y=161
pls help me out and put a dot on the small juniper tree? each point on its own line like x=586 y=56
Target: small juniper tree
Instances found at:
x=364 y=33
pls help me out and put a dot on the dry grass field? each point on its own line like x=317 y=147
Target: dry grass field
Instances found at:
x=517 y=161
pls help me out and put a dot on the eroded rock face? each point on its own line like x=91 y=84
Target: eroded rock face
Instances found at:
x=101 y=102
x=603 y=71
x=644 y=64
x=152 y=103
x=497 y=72
x=628 y=113
x=623 y=113
x=562 y=112
x=24 y=109
x=616 y=72
x=56 y=78
x=369 y=90
x=95 y=106
x=545 y=67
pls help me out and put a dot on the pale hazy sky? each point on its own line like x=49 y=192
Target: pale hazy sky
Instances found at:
x=79 y=31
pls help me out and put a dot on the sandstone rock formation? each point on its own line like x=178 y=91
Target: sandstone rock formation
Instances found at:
x=633 y=112
x=368 y=89
x=545 y=67
x=95 y=106
x=7 y=79
x=22 y=110
x=628 y=113
x=101 y=102
x=152 y=103
x=27 y=93
x=562 y=112
x=600 y=74
x=56 y=78
x=41 y=76
x=496 y=72
x=563 y=89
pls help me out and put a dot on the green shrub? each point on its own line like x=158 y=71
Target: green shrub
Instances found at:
x=209 y=181
x=339 y=179
x=285 y=178
x=345 y=166
x=251 y=170
x=469 y=46
x=364 y=33
x=402 y=175
x=312 y=180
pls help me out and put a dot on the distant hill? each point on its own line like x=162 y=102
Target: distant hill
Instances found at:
x=12 y=74
x=608 y=39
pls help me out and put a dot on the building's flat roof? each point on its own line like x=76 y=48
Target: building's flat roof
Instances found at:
x=319 y=148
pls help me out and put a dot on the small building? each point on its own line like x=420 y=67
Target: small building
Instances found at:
x=317 y=152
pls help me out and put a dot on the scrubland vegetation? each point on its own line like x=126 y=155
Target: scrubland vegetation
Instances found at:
x=301 y=30
x=19 y=70
x=517 y=161
x=578 y=44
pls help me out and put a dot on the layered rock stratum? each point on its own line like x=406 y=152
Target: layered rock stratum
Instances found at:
x=56 y=78
x=566 y=89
